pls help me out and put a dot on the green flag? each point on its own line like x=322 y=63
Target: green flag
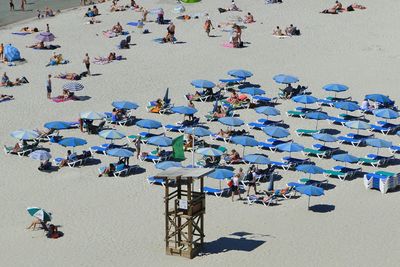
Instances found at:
x=177 y=148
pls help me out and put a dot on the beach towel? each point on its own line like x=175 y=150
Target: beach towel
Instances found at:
x=60 y=99
x=136 y=24
x=101 y=61
x=48 y=47
x=21 y=33
x=227 y=45
x=110 y=34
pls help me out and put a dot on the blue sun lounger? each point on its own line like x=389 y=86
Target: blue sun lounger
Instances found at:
x=336 y=120
x=261 y=123
x=153 y=180
x=293 y=162
x=347 y=170
x=384 y=127
x=271 y=144
x=381 y=180
x=348 y=140
x=214 y=191
x=281 y=165
x=174 y=128
x=395 y=149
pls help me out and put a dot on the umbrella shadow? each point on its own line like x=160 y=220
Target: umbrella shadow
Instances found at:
x=214 y=36
x=328 y=186
x=49 y=169
x=180 y=42
x=249 y=84
x=96 y=74
x=92 y=162
x=137 y=170
x=322 y=208
x=84 y=98
x=330 y=131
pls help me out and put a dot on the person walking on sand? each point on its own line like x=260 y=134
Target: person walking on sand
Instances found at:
x=22 y=5
x=86 y=61
x=47 y=27
x=1 y=51
x=48 y=87
x=207 y=26
x=11 y=5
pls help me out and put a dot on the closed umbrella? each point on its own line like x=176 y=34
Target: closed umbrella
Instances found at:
x=24 y=134
x=286 y=79
x=240 y=73
x=124 y=105
x=309 y=191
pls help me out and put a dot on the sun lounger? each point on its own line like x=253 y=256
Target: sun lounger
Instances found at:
x=341 y=175
x=213 y=191
x=301 y=132
x=265 y=200
x=395 y=149
x=158 y=181
x=271 y=144
x=174 y=128
x=258 y=99
x=293 y=162
x=336 y=120
x=383 y=181
x=382 y=159
x=261 y=123
x=22 y=152
x=122 y=169
x=71 y=163
x=217 y=137
x=314 y=152
x=348 y=140
x=122 y=122
x=295 y=113
x=372 y=162
x=282 y=165
x=326 y=102
x=100 y=149
x=350 y=171
x=384 y=127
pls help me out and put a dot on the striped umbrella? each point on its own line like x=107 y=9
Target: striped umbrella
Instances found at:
x=39 y=213
x=73 y=86
x=45 y=37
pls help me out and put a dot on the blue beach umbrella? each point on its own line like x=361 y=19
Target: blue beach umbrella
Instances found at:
x=257 y=159
x=184 y=110
x=310 y=169
x=305 y=99
x=120 y=153
x=240 y=73
x=221 y=174
x=269 y=111
x=168 y=164
x=73 y=86
x=378 y=143
x=72 y=142
x=124 y=105
x=162 y=141
x=92 y=115
x=231 y=121
x=335 y=87
x=252 y=91
x=202 y=84
x=24 y=134
x=209 y=151
x=345 y=157
x=149 y=124
x=359 y=125
x=286 y=79
x=347 y=106
x=318 y=116
x=379 y=98
x=309 y=191
x=276 y=132
x=324 y=137
x=57 y=125
x=386 y=113
x=39 y=213
x=244 y=141
x=290 y=147
x=111 y=134
x=40 y=155
x=198 y=131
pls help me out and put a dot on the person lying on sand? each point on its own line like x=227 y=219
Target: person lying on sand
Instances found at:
x=93 y=21
x=68 y=76
x=56 y=59
x=5 y=81
x=39 y=45
x=6 y=97
x=116 y=8
x=249 y=18
x=27 y=29
x=337 y=7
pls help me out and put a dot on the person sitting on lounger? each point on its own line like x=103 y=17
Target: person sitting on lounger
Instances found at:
x=109 y=170
x=249 y=18
x=234 y=99
x=189 y=142
x=39 y=45
x=225 y=134
x=21 y=145
x=219 y=113
x=233 y=157
x=70 y=158
x=157 y=107
x=117 y=28
x=288 y=91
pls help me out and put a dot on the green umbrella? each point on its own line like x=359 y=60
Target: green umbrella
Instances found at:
x=39 y=213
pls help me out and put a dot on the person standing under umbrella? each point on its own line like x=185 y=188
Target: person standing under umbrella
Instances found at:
x=48 y=87
x=137 y=143
x=86 y=61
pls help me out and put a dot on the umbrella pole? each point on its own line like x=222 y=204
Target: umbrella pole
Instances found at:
x=308 y=202
x=193 y=148
x=316 y=126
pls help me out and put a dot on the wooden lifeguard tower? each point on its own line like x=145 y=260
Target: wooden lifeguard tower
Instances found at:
x=184 y=210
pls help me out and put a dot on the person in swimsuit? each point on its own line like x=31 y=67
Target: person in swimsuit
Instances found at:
x=1 y=51
x=207 y=26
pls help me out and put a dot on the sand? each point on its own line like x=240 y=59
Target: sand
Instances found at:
x=119 y=221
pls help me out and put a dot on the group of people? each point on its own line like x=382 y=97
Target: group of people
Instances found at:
x=289 y=31
x=5 y=81
x=338 y=7
x=92 y=12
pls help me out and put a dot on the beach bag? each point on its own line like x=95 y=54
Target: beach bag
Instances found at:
x=221 y=10
x=230 y=183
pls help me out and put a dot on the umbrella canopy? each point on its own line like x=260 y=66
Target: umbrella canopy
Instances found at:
x=112 y=134
x=231 y=121
x=290 y=147
x=276 y=132
x=359 y=125
x=72 y=142
x=39 y=213
x=347 y=105
x=252 y=91
x=309 y=168
x=345 y=158
x=149 y=124
x=310 y=190
x=379 y=98
x=335 y=87
x=202 y=84
x=221 y=174
x=120 y=153
x=198 y=131
x=305 y=99
x=318 y=116
x=240 y=73
x=287 y=79
x=269 y=111
x=324 y=137
x=184 y=110
x=162 y=141
x=244 y=140
x=57 y=125
x=209 y=151
x=24 y=134
x=73 y=86
x=257 y=159
x=379 y=143
x=168 y=164
x=45 y=37
x=386 y=113
x=40 y=155
x=124 y=105
x=190 y=1
x=92 y=115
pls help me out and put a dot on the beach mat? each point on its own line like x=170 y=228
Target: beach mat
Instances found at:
x=21 y=33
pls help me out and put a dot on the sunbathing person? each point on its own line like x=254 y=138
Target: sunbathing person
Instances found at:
x=337 y=7
x=225 y=134
x=115 y=7
x=117 y=28
x=95 y=10
x=219 y=113
x=278 y=32
x=27 y=29
x=292 y=30
x=6 y=97
x=157 y=107
x=234 y=99
x=109 y=170
x=71 y=157
x=249 y=18
x=56 y=59
x=69 y=76
x=233 y=157
x=20 y=146
x=93 y=21
x=233 y=7
x=170 y=34
x=133 y=4
x=5 y=81
x=39 y=45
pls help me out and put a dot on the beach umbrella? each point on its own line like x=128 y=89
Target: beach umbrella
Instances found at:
x=124 y=105
x=72 y=142
x=45 y=37
x=244 y=141
x=286 y=79
x=269 y=111
x=398 y=133
x=378 y=143
x=24 y=134
x=386 y=113
x=166 y=98
x=240 y=73
x=347 y=106
x=378 y=98
x=119 y=152
x=39 y=213
x=198 y=131
x=290 y=147
x=359 y=125
x=276 y=132
x=221 y=174
x=40 y=155
x=310 y=169
x=111 y=134
x=168 y=164
x=257 y=159
x=305 y=99
x=231 y=121
x=335 y=87
x=209 y=151
x=73 y=86
x=202 y=84
x=92 y=115
x=57 y=125
x=149 y=124
x=162 y=141
x=190 y=1
x=318 y=116
x=324 y=137
x=309 y=191
x=252 y=91
x=184 y=110
x=345 y=157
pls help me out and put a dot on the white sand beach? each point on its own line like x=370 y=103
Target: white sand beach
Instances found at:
x=119 y=221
